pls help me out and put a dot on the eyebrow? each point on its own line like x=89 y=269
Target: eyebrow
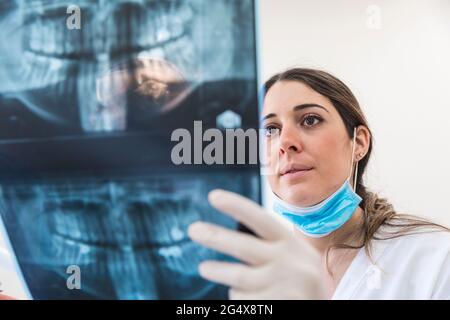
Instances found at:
x=297 y=108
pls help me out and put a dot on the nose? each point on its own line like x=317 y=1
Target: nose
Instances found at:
x=289 y=140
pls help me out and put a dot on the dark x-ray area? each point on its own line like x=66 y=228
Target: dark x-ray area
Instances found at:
x=86 y=114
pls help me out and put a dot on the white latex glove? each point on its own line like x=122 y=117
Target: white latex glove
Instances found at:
x=278 y=265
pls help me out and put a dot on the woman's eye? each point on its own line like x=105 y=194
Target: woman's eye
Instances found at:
x=271 y=131
x=311 y=120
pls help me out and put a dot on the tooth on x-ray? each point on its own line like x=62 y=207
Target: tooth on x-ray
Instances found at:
x=86 y=177
x=131 y=239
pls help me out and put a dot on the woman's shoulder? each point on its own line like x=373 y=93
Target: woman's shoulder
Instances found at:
x=410 y=266
x=427 y=235
x=422 y=261
x=437 y=238
x=417 y=245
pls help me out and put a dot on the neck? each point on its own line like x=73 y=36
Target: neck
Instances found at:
x=339 y=260
x=348 y=233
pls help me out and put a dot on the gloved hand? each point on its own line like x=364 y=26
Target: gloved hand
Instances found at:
x=278 y=265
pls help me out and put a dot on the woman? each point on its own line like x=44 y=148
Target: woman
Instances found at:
x=347 y=242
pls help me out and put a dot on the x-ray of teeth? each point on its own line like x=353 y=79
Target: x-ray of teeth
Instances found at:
x=86 y=177
x=128 y=237
x=127 y=57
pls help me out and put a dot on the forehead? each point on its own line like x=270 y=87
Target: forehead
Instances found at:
x=284 y=95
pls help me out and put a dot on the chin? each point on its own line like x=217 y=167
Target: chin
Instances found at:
x=298 y=195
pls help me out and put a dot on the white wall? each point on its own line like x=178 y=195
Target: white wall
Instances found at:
x=400 y=72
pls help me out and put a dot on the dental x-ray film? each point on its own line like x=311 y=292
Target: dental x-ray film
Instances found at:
x=90 y=92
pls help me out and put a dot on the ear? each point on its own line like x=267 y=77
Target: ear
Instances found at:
x=363 y=140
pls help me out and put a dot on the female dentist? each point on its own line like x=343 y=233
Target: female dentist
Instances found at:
x=347 y=243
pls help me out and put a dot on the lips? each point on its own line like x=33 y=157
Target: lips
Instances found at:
x=294 y=168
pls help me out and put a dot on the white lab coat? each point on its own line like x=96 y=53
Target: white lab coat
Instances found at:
x=409 y=267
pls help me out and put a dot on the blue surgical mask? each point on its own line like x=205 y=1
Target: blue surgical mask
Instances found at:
x=327 y=216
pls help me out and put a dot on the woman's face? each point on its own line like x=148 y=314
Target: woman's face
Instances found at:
x=308 y=149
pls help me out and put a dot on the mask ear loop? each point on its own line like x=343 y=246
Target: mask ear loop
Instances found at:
x=356 y=176
x=353 y=157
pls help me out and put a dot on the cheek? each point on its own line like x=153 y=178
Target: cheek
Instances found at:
x=271 y=155
x=271 y=166
x=326 y=147
x=330 y=156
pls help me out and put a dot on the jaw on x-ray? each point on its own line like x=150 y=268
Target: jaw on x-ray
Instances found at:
x=85 y=119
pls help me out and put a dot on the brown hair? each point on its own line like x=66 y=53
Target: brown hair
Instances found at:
x=377 y=211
